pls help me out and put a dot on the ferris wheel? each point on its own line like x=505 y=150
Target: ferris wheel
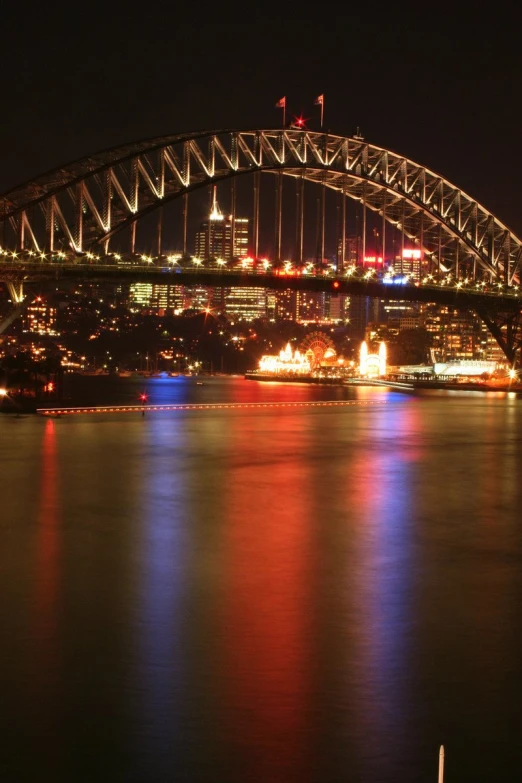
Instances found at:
x=317 y=346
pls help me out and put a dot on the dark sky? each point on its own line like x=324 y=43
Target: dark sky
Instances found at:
x=441 y=89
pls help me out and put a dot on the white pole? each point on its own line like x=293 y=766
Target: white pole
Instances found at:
x=441 y=764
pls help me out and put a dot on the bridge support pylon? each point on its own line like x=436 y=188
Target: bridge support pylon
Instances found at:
x=506 y=328
x=16 y=291
x=19 y=300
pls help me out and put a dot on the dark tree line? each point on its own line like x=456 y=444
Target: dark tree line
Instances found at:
x=23 y=375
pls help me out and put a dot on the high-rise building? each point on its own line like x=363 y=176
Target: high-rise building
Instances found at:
x=339 y=307
x=351 y=252
x=410 y=262
x=311 y=307
x=285 y=305
x=456 y=334
x=222 y=237
x=157 y=298
x=39 y=318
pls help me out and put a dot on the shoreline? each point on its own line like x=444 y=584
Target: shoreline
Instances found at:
x=406 y=384
x=24 y=407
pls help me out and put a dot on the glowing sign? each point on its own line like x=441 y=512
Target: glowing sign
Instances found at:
x=373 y=259
x=394 y=280
x=413 y=254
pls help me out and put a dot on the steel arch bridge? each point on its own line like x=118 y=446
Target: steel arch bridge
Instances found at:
x=69 y=216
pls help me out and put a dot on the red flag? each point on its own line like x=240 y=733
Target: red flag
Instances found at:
x=281 y=103
x=319 y=101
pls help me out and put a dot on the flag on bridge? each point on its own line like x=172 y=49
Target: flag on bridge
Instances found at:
x=319 y=101
x=281 y=104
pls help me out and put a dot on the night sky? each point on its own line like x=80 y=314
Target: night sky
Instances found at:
x=439 y=89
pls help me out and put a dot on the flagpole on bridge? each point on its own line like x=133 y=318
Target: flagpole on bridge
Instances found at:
x=319 y=101
x=441 y=764
x=281 y=104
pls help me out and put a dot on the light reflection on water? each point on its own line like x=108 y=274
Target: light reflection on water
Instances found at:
x=281 y=594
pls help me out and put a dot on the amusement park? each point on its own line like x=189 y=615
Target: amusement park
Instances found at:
x=317 y=361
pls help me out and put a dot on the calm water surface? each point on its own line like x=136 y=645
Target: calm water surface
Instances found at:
x=278 y=595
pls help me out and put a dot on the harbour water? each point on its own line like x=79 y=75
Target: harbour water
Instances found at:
x=282 y=594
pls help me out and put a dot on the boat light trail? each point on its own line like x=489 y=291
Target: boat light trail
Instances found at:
x=200 y=407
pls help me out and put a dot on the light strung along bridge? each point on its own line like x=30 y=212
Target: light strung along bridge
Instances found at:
x=80 y=221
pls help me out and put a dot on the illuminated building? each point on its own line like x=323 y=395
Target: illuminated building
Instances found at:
x=245 y=303
x=339 y=307
x=458 y=335
x=410 y=263
x=311 y=307
x=159 y=298
x=39 y=318
x=286 y=305
x=222 y=236
x=465 y=368
x=408 y=266
x=200 y=297
x=373 y=262
x=224 y=239
x=351 y=252
x=372 y=365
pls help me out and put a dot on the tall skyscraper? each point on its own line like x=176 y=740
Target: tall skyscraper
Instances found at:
x=221 y=237
x=223 y=240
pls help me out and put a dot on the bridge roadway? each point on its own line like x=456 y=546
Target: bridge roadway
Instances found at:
x=444 y=290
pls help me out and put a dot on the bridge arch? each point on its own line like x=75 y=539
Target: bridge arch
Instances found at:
x=89 y=201
x=81 y=206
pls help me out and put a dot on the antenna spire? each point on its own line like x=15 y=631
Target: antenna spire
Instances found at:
x=215 y=213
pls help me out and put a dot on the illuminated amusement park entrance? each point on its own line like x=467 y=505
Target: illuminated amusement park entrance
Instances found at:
x=344 y=216
x=372 y=365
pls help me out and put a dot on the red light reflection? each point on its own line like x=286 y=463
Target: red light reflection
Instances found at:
x=45 y=620
x=267 y=613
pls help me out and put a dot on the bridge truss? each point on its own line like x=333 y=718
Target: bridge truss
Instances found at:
x=81 y=208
